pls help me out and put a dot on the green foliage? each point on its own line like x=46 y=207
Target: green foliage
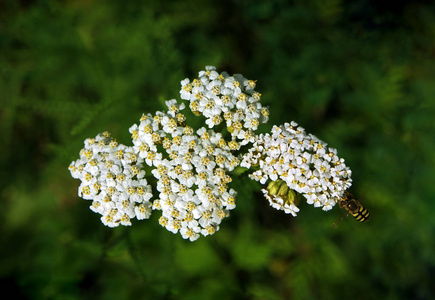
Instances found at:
x=358 y=75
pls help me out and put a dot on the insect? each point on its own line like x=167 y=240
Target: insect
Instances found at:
x=354 y=207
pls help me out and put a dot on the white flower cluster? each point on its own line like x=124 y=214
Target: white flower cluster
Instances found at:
x=191 y=166
x=113 y=178
x=222 y=97
x=303 y=162
x=191 y=169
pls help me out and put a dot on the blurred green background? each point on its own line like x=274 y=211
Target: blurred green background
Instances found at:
x=359 y=75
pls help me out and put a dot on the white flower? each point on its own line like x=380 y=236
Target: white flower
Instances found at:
x=113 y=178
x=191 y=169
x=190 y=233
x=222 y=97
x=302 y=162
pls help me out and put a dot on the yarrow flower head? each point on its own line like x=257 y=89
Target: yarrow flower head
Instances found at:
x=296 y=161
x=230 y=100
x=112 y=177
x=191 y=169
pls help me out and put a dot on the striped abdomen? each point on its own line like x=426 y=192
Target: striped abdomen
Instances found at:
x=362 y=215
x=353 y=207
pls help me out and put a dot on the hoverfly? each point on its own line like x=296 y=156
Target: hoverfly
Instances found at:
x=354 y=207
